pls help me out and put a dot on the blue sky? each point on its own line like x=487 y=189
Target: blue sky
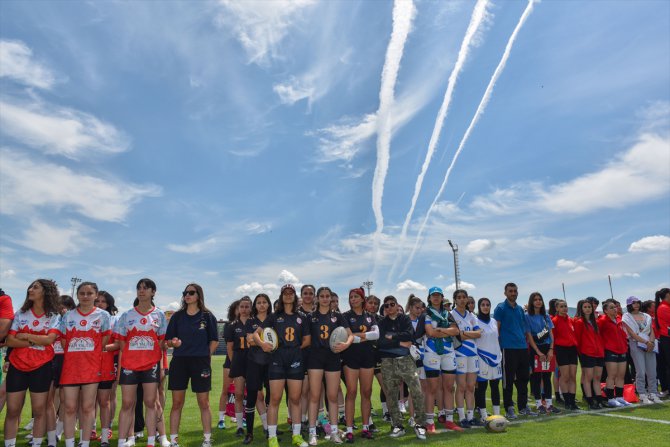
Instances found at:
x=242 y=145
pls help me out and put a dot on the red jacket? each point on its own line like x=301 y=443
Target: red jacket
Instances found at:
x=589 y=341
x=564 y=331
x=663 y=314
x=613 y=335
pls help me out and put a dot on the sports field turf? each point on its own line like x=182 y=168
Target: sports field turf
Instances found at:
x=647 y=426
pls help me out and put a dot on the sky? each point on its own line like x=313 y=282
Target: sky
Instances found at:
x=242 y=145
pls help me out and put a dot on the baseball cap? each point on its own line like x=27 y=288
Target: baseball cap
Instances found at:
x=435 y=289
x=287 y=286
x=632 y=299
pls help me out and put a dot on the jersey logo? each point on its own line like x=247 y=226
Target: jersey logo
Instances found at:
x=81 y=344
x=143 y=321
x=82 y=323
x=280 y=320
x=141 y=343
x=299 y=320
x=369 y=320
x=353 y=320
x=36 y=322
x=203 y=325
x=333 y=319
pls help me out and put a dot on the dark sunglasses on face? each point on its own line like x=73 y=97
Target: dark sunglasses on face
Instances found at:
x=387 y=305
x=188 y=292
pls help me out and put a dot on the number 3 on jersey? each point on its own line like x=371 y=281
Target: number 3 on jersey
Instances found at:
x=324 y=332
x=289 y=334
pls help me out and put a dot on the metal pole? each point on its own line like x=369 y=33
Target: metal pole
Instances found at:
x=563 y=285
x=610 y=280
x=368 y=285
x=74 y=280
x=457 y=279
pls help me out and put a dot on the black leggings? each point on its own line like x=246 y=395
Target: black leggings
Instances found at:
x=516 y=372
x=480 y=393
x=540 y=382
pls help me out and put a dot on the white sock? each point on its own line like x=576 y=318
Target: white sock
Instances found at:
x=366 y=427
x=207 y=436
x=350 y=429
x=173 y=438
x=272 y=431
x=37 y=442
x=312 y=431
x=240 y=420
x=131 y=440
x=538 y=403
x=105 y=435
x=222 y=415
x=471 y=415
x=10 y=442
x=449 y=415
x=51 y=438
x=305 y=419
x=296 y=429
x=385 y=407
x=430 y=418
x=461 y=413
x=496 y=410
x=370 y=421
x=151 y=440
x=81 y=435
x=264 y=420
x=483 y=413
x=70 y=443
x=549 y=402
x=121 y=442
x=83 y=444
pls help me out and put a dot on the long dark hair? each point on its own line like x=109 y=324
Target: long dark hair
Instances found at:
x=531 y=306
x=65 y=303
x=109 y=299
x=660 y=296
x=87 y=283
x=232 y=310
x=280 y=302
x=254 y=311
x=201 y=298
x=251 y=305
x=591 y=319
x=51 y=297
x=552 y=306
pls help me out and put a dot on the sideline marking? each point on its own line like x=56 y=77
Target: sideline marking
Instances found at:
x=635 y=418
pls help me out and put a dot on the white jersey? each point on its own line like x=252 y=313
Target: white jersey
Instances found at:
x=488 y=346
x=466 y=322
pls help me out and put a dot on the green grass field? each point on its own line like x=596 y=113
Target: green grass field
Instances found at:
x=634 y=426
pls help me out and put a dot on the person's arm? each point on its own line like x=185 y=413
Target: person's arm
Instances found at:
x=34 y=339
x=5 y=324
x=306 y=341
x=533 y=345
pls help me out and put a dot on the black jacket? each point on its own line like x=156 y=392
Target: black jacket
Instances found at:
x=400 y=329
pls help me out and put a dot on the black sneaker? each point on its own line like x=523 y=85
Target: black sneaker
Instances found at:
x=239 y=432
x=248 y=439
x=387 y=417
x=373 y=428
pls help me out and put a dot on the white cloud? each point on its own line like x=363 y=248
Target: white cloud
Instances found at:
x=578 y=269
x=51 y=240
x=294 y=90
x=409 y=285
x=174 y=306
x=17 y=63
x=651 y=243
x=612 y=256
x=625 y=275
x=255 y=288
x=565 y=263
x=61 y=130
x=28 y=184
x=258 y=227
x=260 y=26
x=482 y=260
x=479 y=245
x=462 y=284
x=286 y=277
x=195 y=247
x=7 y=274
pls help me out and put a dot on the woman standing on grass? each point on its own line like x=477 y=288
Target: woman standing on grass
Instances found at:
x=642 y=344
x=257 y=368
x=192 y=333
x=566 y=354
x=591 y=353
x=490 y=360
x=110 y=363
x=616 y=346
x=224 y=398
x=323 y=362
x=286 y=367
x=31 y=336
x=541 y=353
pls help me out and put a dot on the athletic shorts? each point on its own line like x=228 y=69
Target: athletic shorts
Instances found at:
x=565 y=355
x=465 y=364
x=612 y=357
x=445 y=363
x=324 y=359
x=286 y=364
x=57 y=367
x=226 y=363
x=361 y=362
x=106 y=385
x=36 y=381
x=130 y=377
x=196 y=369
x=591 y=362
x=238 y=367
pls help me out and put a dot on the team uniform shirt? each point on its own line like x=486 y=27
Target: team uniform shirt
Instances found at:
x=142 y=334
x=32 y=357
x=663 y=317
x=564 y=331
x=57 y=345
x=588 y=340
x=322 y=325
x=613 y=335
x=195 y=332
x=364 y=322
x=489 y=352
x=466 y=322
x=6 y=309
x=108 y=358
x=236 y=333
x=290 y=329
x=82 y=336
x=439 y=345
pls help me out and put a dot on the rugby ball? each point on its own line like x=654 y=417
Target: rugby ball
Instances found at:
x=270 y=335
x=496 y=423
x=339 y=335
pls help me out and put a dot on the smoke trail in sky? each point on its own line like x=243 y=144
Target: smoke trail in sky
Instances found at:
x=403 y=14
x=478 y=16
x=482 y=105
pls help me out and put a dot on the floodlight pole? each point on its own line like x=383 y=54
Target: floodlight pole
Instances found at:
x=457 y=276
x=368 y=285
x=74 y=280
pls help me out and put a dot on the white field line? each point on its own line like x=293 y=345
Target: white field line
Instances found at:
x=635 y=418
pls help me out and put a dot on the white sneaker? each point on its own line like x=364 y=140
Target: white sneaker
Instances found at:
x=397 y=432
x=59 y=428
x=206 y=444
x=165 y=442
x=29 y=425
x=420 y=432
x=335 y=437
x=613 y=403
x=655 y=399
x=313 y=439
x=411 y=422
x=623 y=402
x=644 y=400
x=403 y=410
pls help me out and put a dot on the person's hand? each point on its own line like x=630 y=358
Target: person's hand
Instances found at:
x=250 y=339
x=175 y=342
x=340 y=347
x=405 y=344
x=266 y=346
x=22 y=336
x=650 y=346
x=550 y=355
x=388 y=337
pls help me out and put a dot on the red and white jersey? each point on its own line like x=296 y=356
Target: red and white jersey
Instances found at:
x=32 y=357
x=142 y=334
x=83 y=334
x=58 y=346
x=108 y=369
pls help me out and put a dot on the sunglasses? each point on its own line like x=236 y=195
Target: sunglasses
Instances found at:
x=387 y=305
x=188 y=292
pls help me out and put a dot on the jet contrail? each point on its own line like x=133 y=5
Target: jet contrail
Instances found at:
x=403 y=14
x=478 y=16
x=482 y=105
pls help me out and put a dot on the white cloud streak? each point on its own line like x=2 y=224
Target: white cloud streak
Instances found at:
x=403 y=15
x=409 y=285
x=206 y=245
x=53 y=240
x=478 y=16
x=651 y=243
x=480 y=109
x=17 y=63
x=479 y=245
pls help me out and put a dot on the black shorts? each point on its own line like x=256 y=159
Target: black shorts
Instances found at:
x=238 y=368
x=591 y=362
x=565 y=355
x=106 y=385
x=36 y=381
x=355 y=360
x=196 y=369
x=130 y=377
x=286 y=364
x=325 y=359
x=57 y=367
x=226 y=363
x=611 y=357
x=257 y=375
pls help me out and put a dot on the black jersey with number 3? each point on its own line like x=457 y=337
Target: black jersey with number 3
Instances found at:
x=290 y=328
x=237 y=331
x=322 y=325
x=360 y=323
